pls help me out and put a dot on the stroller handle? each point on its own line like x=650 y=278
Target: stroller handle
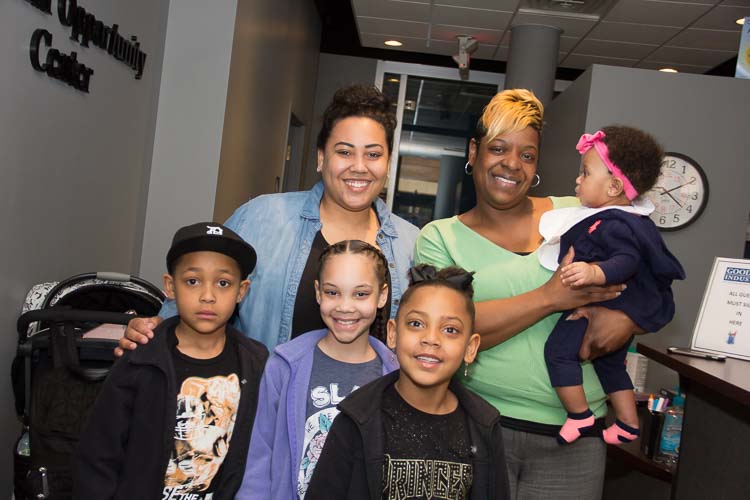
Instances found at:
x=55 y=314
x=102 y=275
x=113 y=276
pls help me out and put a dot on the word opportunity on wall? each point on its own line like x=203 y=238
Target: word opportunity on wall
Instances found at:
x=85 y=29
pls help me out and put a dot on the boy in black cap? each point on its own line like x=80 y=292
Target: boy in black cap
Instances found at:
x=173 y=419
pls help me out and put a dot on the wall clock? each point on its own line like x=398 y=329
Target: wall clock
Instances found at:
x=680 y=193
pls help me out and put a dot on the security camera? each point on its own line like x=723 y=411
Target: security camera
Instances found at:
x=466 y=46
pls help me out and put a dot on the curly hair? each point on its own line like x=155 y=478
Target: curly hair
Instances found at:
x=360 y=101
x=510 y=111
x=378 y=328
x=636 y=153
x=453 y=277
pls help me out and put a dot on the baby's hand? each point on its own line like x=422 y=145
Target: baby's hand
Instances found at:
x=580 y=274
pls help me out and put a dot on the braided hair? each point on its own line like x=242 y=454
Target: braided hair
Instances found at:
x=354 y=247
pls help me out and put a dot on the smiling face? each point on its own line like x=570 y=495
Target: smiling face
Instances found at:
x=349 y=295
x=504 y=167
x=206 y=287
x=595 y=185
x=354 y=163
x=432 y=336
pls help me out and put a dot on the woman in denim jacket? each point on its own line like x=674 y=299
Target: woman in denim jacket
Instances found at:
x=354 y=147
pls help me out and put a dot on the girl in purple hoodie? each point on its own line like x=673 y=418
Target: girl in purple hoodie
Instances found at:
x=305 y=379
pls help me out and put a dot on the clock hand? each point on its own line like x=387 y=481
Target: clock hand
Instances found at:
x=692 y=181
x=664 y=191
x=675 y=199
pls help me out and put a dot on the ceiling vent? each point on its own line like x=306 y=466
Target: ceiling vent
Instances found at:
x=580 y=9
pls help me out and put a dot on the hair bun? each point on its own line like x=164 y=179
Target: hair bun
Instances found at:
x=359 y=101
x=456 y=276
x=362 y=96
x=422 y=272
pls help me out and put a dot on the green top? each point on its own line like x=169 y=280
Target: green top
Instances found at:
x=512 y=376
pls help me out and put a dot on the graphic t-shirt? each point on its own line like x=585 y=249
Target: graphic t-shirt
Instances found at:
x=207 y=400
x=426 y=456
x=330 y=382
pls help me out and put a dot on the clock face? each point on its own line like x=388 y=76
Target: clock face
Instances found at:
x=680 y=193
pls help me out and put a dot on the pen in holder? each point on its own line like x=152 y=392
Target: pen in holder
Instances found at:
x=652 y=423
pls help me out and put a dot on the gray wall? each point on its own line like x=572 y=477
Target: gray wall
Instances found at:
x=565 y=119
x=233 y=71
x=73 y=165
x=273 y=69
x=704 y=117
x=334 y=72
x=187 y=140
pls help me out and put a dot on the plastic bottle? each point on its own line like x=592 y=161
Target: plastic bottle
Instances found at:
x=23 y=448
x=669 y=445
x=637 y=366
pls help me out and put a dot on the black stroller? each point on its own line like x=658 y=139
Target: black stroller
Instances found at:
x=66 y=337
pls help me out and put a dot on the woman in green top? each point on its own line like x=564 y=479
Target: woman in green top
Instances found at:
x=518 y=303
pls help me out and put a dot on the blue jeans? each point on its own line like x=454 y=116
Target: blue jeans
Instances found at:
x=539 y=468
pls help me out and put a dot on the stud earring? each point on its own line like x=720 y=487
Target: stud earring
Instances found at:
x=468 y=169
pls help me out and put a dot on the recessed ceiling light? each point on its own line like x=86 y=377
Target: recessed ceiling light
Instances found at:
x=740 y=21
x=393 y=80
x=393 y=43
x=668 y=70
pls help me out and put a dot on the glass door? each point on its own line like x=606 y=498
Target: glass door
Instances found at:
x=437 y=117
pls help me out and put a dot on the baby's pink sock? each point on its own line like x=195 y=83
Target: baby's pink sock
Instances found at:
x=576 y=424
x=619 y=433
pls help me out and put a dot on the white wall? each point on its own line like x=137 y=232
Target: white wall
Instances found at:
x=72 y=164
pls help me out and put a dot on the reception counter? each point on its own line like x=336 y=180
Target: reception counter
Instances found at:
x=714 y=461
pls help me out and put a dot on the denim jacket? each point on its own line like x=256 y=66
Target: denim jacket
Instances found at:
x=281 y=227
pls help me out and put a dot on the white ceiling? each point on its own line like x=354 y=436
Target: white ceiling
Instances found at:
x=691 y=36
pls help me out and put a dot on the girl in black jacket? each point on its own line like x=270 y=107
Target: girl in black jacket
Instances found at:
x=417 y=433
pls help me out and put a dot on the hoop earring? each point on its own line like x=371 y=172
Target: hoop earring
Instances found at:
x=468 y=169
x=538 y=181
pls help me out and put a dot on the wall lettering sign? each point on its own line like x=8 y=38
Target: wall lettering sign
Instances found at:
x=85 y=29
x=57 y=64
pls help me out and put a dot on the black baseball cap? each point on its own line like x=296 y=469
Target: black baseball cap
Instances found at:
x=212 y=237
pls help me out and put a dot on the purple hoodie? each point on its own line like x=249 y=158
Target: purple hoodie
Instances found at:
x=273 y=460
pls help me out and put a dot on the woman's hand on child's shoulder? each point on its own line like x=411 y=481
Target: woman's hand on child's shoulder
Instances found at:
x=139 y=331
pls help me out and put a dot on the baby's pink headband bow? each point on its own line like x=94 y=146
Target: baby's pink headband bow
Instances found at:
x=595 y=140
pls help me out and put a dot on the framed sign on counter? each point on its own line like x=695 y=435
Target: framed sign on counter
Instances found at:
x=723 y=324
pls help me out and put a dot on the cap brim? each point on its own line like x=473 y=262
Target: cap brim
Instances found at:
x=240 y=251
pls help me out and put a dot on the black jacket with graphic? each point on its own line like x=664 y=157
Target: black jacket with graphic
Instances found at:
x=126 y=445
x=351 y=464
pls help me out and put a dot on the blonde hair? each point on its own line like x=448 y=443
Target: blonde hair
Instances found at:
x=510 y=111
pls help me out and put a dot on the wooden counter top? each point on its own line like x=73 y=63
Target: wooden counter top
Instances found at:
x=730 y=378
